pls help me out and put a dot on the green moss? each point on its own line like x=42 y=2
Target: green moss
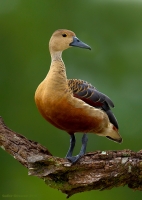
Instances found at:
x=140 y=176
x=60 y=185
x=126 y=154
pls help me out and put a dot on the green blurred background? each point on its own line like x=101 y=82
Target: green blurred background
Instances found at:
x=114 y=31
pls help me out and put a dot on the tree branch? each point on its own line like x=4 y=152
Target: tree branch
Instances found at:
x=98 y=170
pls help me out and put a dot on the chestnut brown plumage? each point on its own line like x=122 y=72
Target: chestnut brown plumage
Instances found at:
x=73 y=105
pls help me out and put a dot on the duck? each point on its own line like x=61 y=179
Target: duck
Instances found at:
x=74 y=105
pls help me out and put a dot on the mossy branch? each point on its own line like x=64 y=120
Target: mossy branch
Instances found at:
x=98 y=170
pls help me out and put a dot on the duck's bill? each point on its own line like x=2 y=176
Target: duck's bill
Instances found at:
x=77 y=43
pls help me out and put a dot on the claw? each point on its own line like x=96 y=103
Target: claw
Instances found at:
x=74 y=159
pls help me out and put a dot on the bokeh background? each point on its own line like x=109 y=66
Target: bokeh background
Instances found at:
x=114 y=31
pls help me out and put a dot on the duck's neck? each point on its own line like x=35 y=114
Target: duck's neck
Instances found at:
x=56 y=56
x=57 y=72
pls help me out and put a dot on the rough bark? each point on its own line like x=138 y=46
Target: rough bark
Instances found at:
x=98 y=170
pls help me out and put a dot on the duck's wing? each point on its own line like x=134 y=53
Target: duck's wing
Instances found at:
x=90 y=95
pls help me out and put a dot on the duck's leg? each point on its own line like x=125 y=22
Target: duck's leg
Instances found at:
x=74 y=159
x=71 y=148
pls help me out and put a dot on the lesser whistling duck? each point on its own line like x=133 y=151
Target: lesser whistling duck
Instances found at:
x=73 y=105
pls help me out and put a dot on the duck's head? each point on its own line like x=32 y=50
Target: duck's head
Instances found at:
x=63 y=39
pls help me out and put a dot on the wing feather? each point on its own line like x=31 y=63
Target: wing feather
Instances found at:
x=89 y=94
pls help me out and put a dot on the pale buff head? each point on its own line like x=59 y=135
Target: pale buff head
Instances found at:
x=63 y=39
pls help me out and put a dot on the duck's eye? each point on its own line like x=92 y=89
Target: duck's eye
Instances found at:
x=64 y=35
